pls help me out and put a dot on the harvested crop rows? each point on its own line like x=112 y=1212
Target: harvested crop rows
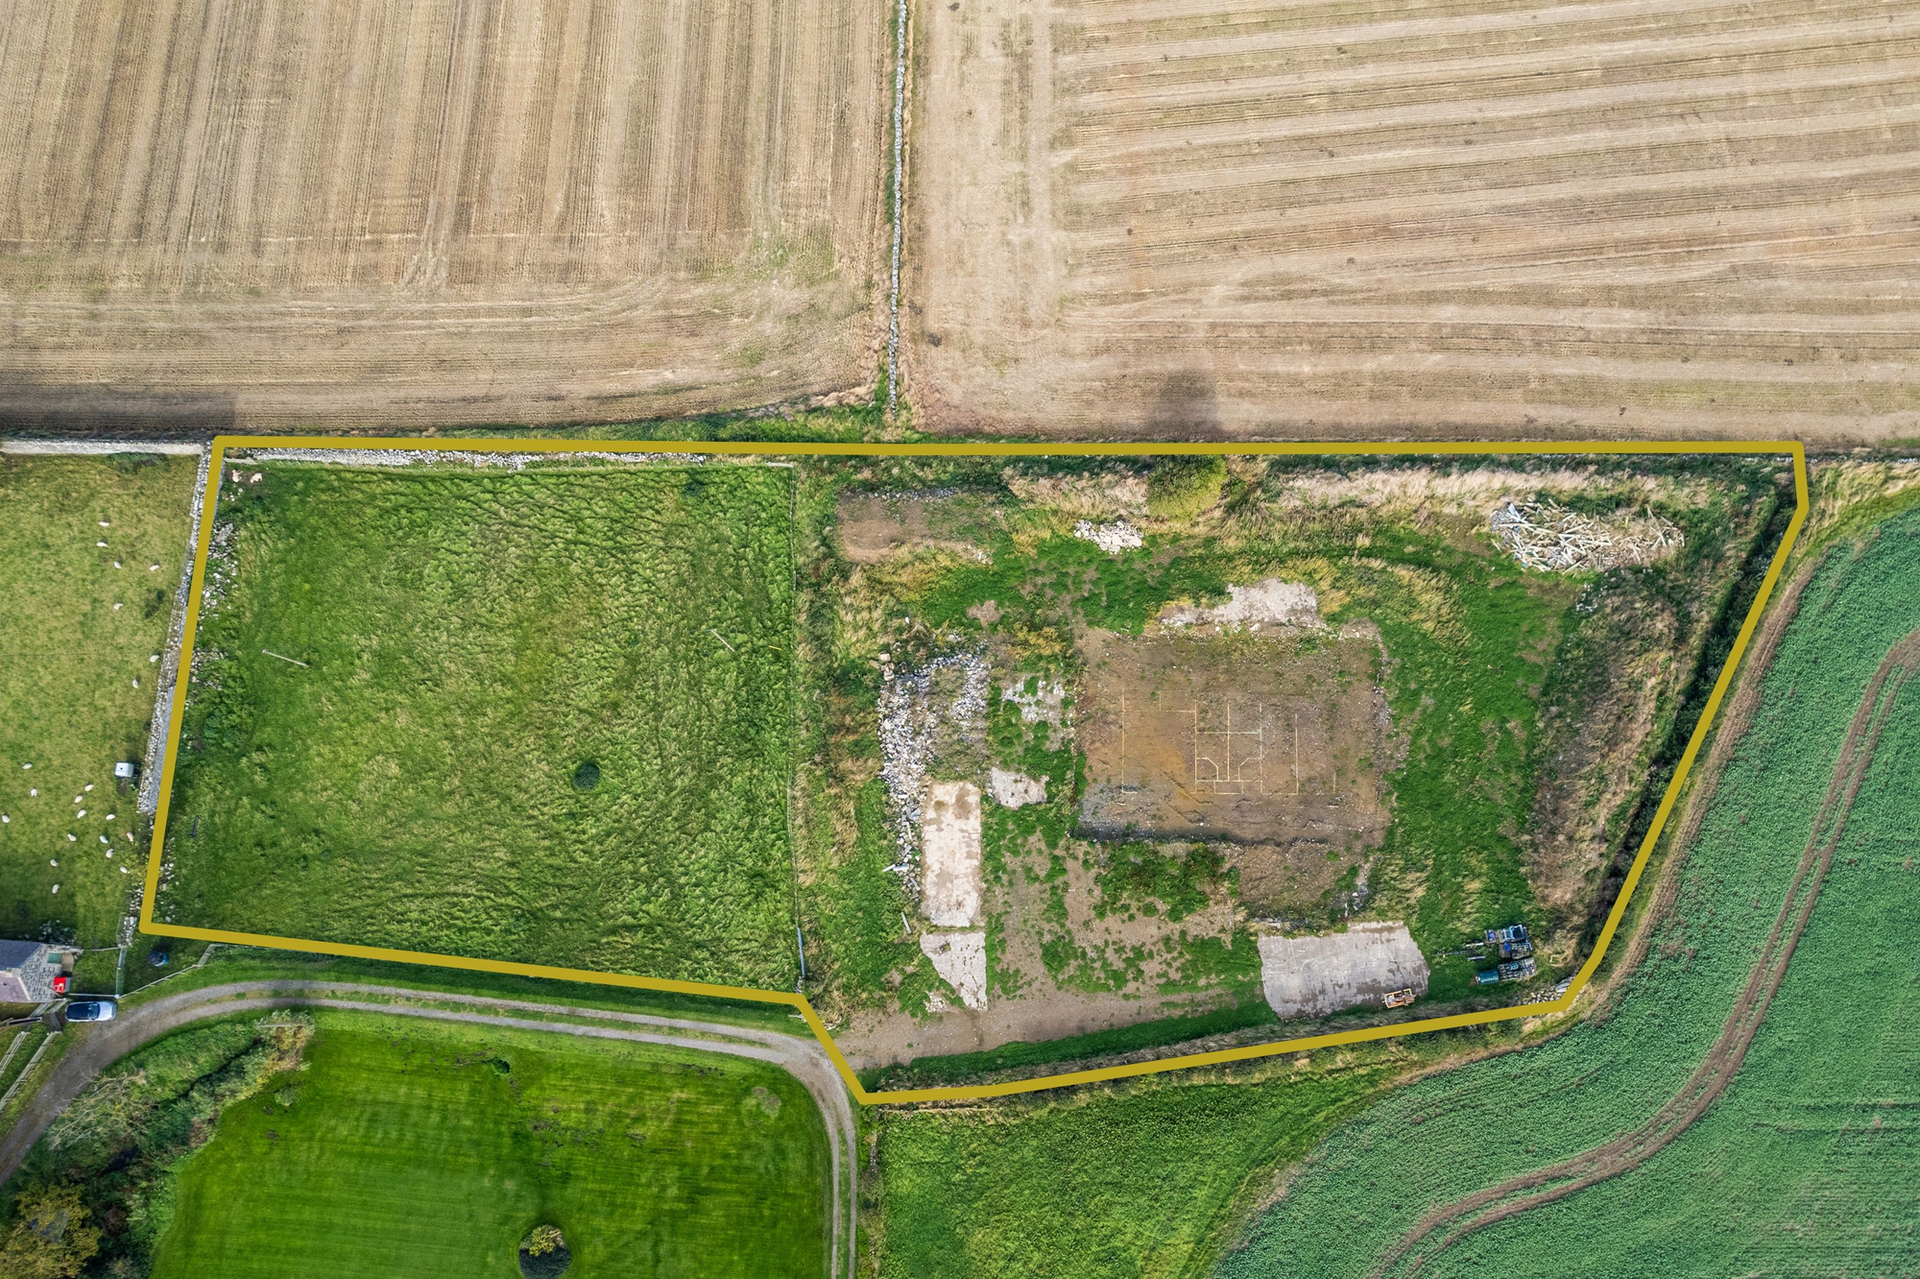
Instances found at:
x=434 y=212
x=1617 y=215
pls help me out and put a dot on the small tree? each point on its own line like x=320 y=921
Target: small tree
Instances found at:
x=52 y=1239
x=544 y=1253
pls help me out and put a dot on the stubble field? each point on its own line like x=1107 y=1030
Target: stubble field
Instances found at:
x=429 y=213
x=1617 y=217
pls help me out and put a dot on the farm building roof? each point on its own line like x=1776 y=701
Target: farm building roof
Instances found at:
x=27 y=970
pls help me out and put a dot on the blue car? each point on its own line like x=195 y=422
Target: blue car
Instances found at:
x=91 y=1010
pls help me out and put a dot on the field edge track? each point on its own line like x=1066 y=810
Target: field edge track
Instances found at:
x=1722 y=1062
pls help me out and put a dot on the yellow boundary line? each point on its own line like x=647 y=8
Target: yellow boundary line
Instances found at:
x=799 y=1002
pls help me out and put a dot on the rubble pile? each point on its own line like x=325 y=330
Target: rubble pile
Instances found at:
x=1546 y=536
x=1112 y=538
x=909 y=724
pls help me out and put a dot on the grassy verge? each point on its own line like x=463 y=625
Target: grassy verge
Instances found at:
x=79 y=625
x=385 y=1145
x=542 y=716
x=243 y=964
x=1138 y=1179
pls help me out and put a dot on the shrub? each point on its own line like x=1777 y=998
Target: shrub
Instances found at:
x=1182 y=487
x=544 y=1253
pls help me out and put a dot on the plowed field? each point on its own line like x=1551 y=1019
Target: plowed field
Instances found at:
x=434 y=211
x=1442 y=216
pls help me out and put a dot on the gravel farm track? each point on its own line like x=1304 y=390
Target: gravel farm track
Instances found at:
x=138 y=1024
x=259 y=214
x=1448 y=1223
x=1457 y=218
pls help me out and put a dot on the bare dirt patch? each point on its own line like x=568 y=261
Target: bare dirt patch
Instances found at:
x=873 y=529
x=436 y=212
x=1248 y=739
x=1220 y=216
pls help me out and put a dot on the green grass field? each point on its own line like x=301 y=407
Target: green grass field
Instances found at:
x=543 y=717
x=407 y=1151
x=77 y=685
x=1807 y=1165
x=1099 y=1184
x=399 y=1146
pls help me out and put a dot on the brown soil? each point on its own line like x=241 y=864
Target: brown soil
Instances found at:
x=1454 y=1221
x=873 y=528
x=1221 y=217
x=1259 y=741
x=269 y=214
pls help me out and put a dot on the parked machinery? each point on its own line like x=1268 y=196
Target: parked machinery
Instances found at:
x=1513 y=970
x=1510 y=942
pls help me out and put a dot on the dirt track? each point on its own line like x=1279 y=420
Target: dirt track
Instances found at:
x=224 y=214
x=1446 y=1225
x=1609 y=217
x=141 y=1023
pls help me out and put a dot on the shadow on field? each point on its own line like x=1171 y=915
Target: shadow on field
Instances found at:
x=82 y=411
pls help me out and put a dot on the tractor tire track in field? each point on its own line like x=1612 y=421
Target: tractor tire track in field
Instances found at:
x=804 y=1059
x=1446 y=1225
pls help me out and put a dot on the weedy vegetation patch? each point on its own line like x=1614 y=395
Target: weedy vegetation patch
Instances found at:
x=1203 y=701
x=537 y=715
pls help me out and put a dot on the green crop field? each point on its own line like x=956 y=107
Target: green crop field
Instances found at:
x=1810 y=1163
x=1138 y=1180
x=79 y=626
x=538 y=716
x=402 y=1147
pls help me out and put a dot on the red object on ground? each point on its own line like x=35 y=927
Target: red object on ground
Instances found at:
x=60 y=984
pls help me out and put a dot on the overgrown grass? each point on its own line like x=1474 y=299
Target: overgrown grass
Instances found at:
x=77 y=685
x=1475 y=649
x=1801 y=1167
x=471 y=641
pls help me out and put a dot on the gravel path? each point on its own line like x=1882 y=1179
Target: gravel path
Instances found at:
x=802 y=1058
x=98 y=448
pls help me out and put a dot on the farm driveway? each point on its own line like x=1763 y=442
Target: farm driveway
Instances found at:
x=104 y=1044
